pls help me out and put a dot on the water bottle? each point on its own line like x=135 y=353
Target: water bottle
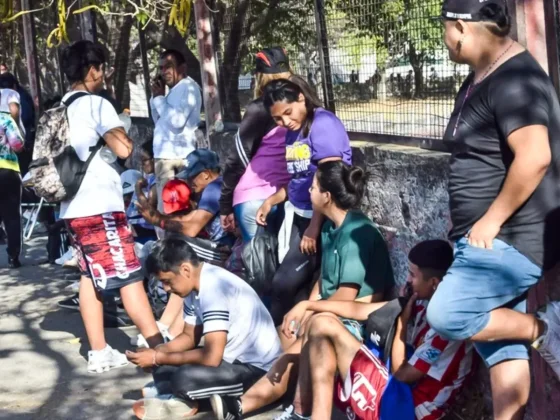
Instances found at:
x=107 y=155
x=127 y=121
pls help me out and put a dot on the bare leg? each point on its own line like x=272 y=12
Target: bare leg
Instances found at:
x=331 y=348
x=511 y=383
x=138 y=308
x=507 y=324
x=303 y=396
x=274 y=384
x=173 y=308
x=177 y=326
x=91 y=308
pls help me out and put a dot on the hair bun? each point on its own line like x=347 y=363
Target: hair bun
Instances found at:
x=356 y=175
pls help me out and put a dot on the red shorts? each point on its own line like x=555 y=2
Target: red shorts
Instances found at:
x=359 y=394
x=105 y=248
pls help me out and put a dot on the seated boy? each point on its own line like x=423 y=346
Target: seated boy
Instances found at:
x=146 y=183
x=421 y=387
x=203 y=176
x=240 y=341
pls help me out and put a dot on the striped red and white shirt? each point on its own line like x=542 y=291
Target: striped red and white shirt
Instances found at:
x=446 y=364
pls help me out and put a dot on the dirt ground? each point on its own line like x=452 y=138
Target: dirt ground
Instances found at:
x=43 y=351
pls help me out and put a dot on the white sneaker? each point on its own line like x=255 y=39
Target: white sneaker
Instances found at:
x=150 y=391
x=164 y=407
x=100 y=361
x=548 y=345
x=64 y=258
x=72 y=262
x=290 y=414
x=74 y=287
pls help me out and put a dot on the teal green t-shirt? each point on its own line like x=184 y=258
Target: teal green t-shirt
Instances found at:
x=355 y=253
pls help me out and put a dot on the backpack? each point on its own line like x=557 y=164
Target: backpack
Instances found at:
x=260 y=259
x=56 y=169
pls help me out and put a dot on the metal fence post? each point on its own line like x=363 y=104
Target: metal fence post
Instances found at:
x=88 y=23
x=145 y=66
x=324 y=57
x=31 y=52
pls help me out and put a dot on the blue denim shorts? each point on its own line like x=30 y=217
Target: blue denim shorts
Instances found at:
x=356 y=328
x=479 y=281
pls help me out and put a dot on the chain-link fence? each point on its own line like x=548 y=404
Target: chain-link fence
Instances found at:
x=381 y=65
x=384 y=68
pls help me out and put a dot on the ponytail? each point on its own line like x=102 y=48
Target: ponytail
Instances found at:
x=345 y=183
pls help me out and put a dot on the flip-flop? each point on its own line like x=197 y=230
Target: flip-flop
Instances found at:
x=164 y=407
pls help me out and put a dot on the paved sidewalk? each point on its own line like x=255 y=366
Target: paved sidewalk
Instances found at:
x=43 y=348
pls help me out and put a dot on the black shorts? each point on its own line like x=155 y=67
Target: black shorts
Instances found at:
x=196 y=382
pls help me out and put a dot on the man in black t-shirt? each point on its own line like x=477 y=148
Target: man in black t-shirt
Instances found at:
x=504 y=190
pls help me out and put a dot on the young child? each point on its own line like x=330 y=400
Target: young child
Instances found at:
x=420 y=387
x=146 y=181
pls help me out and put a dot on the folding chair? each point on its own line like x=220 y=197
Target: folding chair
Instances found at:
x=31 y=222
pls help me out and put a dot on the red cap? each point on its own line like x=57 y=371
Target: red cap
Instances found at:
x=176 y=196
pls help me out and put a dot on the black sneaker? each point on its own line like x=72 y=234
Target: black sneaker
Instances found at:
x=14 y=263
x=73 y=303
x=226 y=408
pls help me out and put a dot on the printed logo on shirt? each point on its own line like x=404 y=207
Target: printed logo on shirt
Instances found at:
x=298 y=157
x=375 y=338
x=363 y=393
x=350 y=414
x=430 y=355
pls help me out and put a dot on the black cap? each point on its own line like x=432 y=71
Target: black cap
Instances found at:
x=272 y=61
x=468 y=10
x=382 y=325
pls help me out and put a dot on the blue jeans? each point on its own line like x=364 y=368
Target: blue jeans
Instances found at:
x=245 y=216
x=478 y=282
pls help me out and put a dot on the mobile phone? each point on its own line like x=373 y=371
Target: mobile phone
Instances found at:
x=408 y=291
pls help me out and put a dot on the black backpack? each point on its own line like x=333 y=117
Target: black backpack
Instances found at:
x=260 y=259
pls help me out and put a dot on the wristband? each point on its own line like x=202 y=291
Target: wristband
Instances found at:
x=162 y=224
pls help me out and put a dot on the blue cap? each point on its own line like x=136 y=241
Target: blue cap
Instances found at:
x=198 y=161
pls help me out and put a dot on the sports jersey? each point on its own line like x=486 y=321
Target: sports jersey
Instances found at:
x=446 y=365
x=227 y=303
x=370 y=393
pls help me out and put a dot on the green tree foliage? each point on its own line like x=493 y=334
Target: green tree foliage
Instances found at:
x=401 y=29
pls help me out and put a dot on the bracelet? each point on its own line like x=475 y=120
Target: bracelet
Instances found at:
x=154 y=361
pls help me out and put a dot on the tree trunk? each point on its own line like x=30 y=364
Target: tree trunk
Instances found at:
x=231 y=66
x=418 y=82
x=417 y=62
x=122 y=61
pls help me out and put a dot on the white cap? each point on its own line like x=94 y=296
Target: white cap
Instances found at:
x=129 y=179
